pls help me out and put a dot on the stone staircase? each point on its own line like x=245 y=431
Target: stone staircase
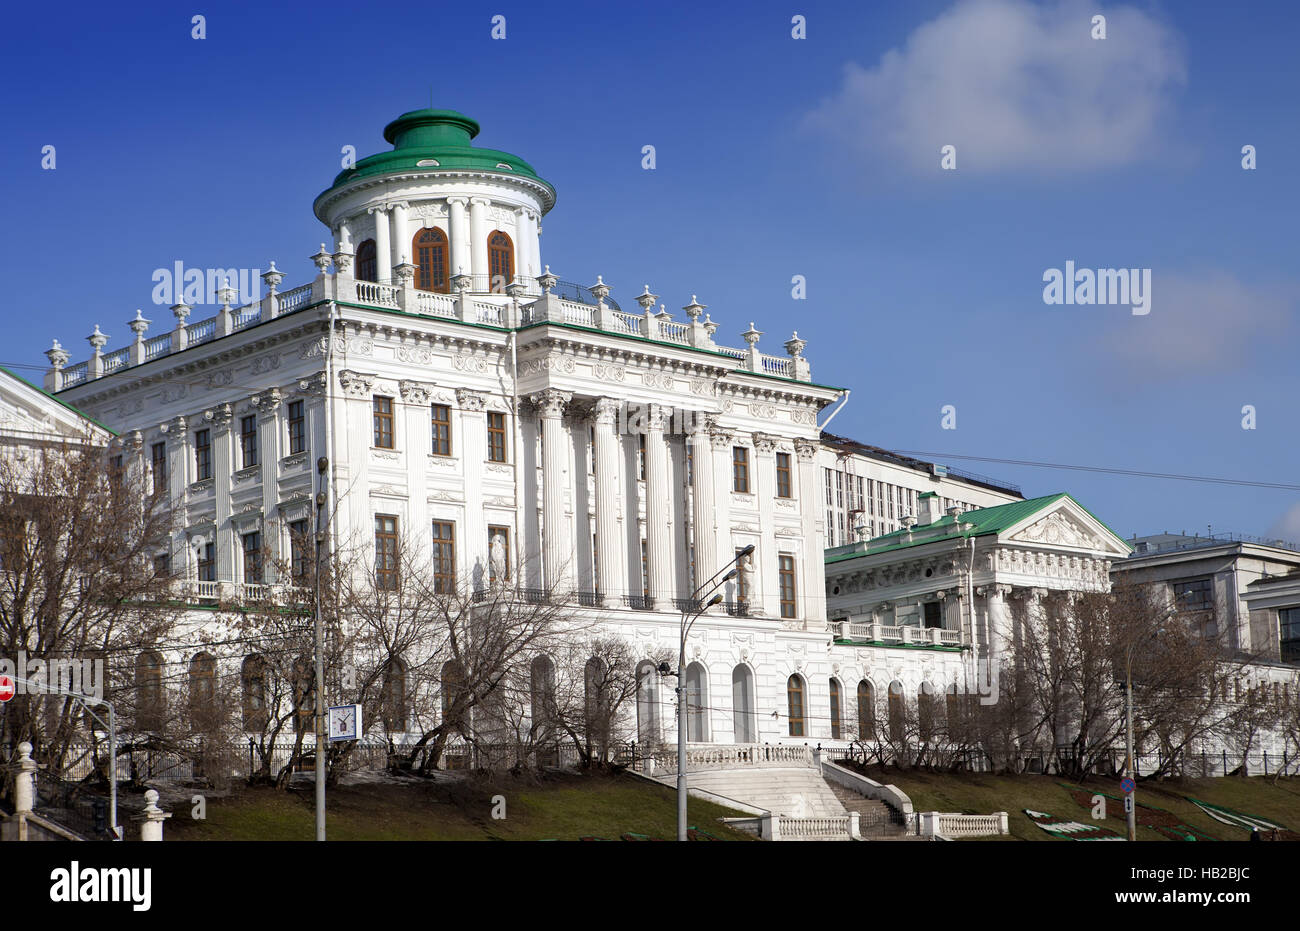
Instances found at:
x=877 y=820
x=794 y=792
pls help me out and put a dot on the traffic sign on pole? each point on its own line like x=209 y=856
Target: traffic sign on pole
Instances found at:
x=8 y=688
x=1128 y=785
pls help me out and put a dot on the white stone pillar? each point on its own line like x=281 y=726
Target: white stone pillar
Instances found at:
x=25 y=780
x=152 y=828
x=478 y=222
x=401 y=235
x=611 y=561
x=269 y=405
x=812 y=600
x=556 y=553
x=721 y=441
x=461 y=262
x=472 y=420
x=703 y=495
x=218 y=420
x=383 y=245
x=343 y=237
x=658 y=511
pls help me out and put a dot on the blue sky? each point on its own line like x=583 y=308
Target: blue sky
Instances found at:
x=775 y=157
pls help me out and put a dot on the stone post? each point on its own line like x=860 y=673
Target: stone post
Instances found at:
x=799 y=367
x=225 y=324
x=272 y=276
x=179 y=336
x=25 y=780
x=659 y=534
x=604 y=315
x=753 y=361
x=58 y=357
x=139 y=326
x=855 y=825
x=650 y=325
x=152 y=828
x=700 y=336
x=323 y=285
x=345 y=285
x=464 y=309
x=405 y=272
x=1003 y=826
x=97 y=340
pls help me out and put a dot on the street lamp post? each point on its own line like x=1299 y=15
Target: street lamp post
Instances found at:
x=1130 y=801
x=690 y=614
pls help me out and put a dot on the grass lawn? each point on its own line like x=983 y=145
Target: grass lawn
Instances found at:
x=981 y=794
x=559 y=807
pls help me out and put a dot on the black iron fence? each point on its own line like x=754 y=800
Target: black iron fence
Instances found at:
x=72 y=806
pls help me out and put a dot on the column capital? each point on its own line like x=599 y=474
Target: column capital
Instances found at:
x=721 y=438
x=605 y=411
x=457 y=201
x=654 y=418
x=807 y=449
x=414 y=392
x=267 y=402
x=219 y=417
x=480 y=202
x=313 y=385
x=175 y=425
x=470 y=400
x=765 y=442
x=551 y=402
x=356 y=384
x=377 y=208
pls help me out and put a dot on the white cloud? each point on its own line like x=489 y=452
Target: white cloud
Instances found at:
x=1287 y=526
x=1200 y=325
x=1014 y=86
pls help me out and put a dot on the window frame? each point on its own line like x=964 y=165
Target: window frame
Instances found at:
x=784 y=482
x=438 y=252
x=796 y=705
x=254 y=566
x=440 y=430
x=297 y=426
x=443 y=555
x=385 y=426
x=202 y=455
x=387 y=553
x=740 y=470
x=248 y=441
x=498 y=448
x=788 y=588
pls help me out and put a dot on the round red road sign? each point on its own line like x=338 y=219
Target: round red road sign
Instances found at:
x=7 y=688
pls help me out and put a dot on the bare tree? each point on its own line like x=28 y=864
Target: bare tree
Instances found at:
x=85 y=579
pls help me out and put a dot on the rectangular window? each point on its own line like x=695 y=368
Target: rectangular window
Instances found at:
x=495 y=530
x=783 y=487
x=645 y=570
x=933 y=615
x=162 y=566
x=297 y=428
x=1194 y=594
x=202 y=455
x=386 y=576
x=496 y=423
x=383 y=407
x=740 y=469
x=640 y=456
x=591 y=450
x=1289 y=623
x=208 y=563
x=742 y=579
x=158 y=459
x=786 y=574
x=440 y=418
x=248 y=440
x=298 y=548
x=444 y=557
x=253 y=557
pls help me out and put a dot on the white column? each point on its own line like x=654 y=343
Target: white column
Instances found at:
x=526 y=243
x=812 y=600
x=702 y=500
x=472 y=419
x=383 y=246
x=461 y=263
x=478 y=240
x=269 y=405
x=658 y=511
x=343 y=237
x=611 y=561
x=401 y=240
x=557 y=554
x=218 y=421
x=721 y=449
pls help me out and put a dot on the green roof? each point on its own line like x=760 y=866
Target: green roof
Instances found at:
x=982 y=521
x=435 y=141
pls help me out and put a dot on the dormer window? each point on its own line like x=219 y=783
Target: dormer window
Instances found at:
x=505 y=166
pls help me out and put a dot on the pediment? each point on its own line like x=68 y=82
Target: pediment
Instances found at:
x=1068 y=526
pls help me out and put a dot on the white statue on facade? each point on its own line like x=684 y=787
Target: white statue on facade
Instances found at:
x=497 y=559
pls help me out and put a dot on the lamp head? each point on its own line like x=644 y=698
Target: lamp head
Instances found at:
x=747 y=550
x=729 y=576
x=715 y=600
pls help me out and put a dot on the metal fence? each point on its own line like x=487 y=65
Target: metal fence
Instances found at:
x=72 y=806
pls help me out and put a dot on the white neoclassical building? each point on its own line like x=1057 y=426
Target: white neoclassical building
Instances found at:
x=460 y=391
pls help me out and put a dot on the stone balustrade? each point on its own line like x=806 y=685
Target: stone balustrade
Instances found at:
x=730 y=756
x=524 y=303
x=886 y=633
x=948 y=824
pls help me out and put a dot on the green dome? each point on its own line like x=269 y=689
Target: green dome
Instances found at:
x=435 y=141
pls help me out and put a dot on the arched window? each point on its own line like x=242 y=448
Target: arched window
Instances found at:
x=252 y=676
x=896 y=711
x=956 y=718
x=647 y=703
x=541 y=687
x=501 y=260
x=366 y=265
x=304 y=697
x=430 y=250
x=148 y=688
x=595 y=676
x=837 y=729
x=926 y=702
x=696 y=694
x=742 y=704
x=794 y=693
x=866 y=711
x=203 y=683
x=453 y=693
x=393 y=698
